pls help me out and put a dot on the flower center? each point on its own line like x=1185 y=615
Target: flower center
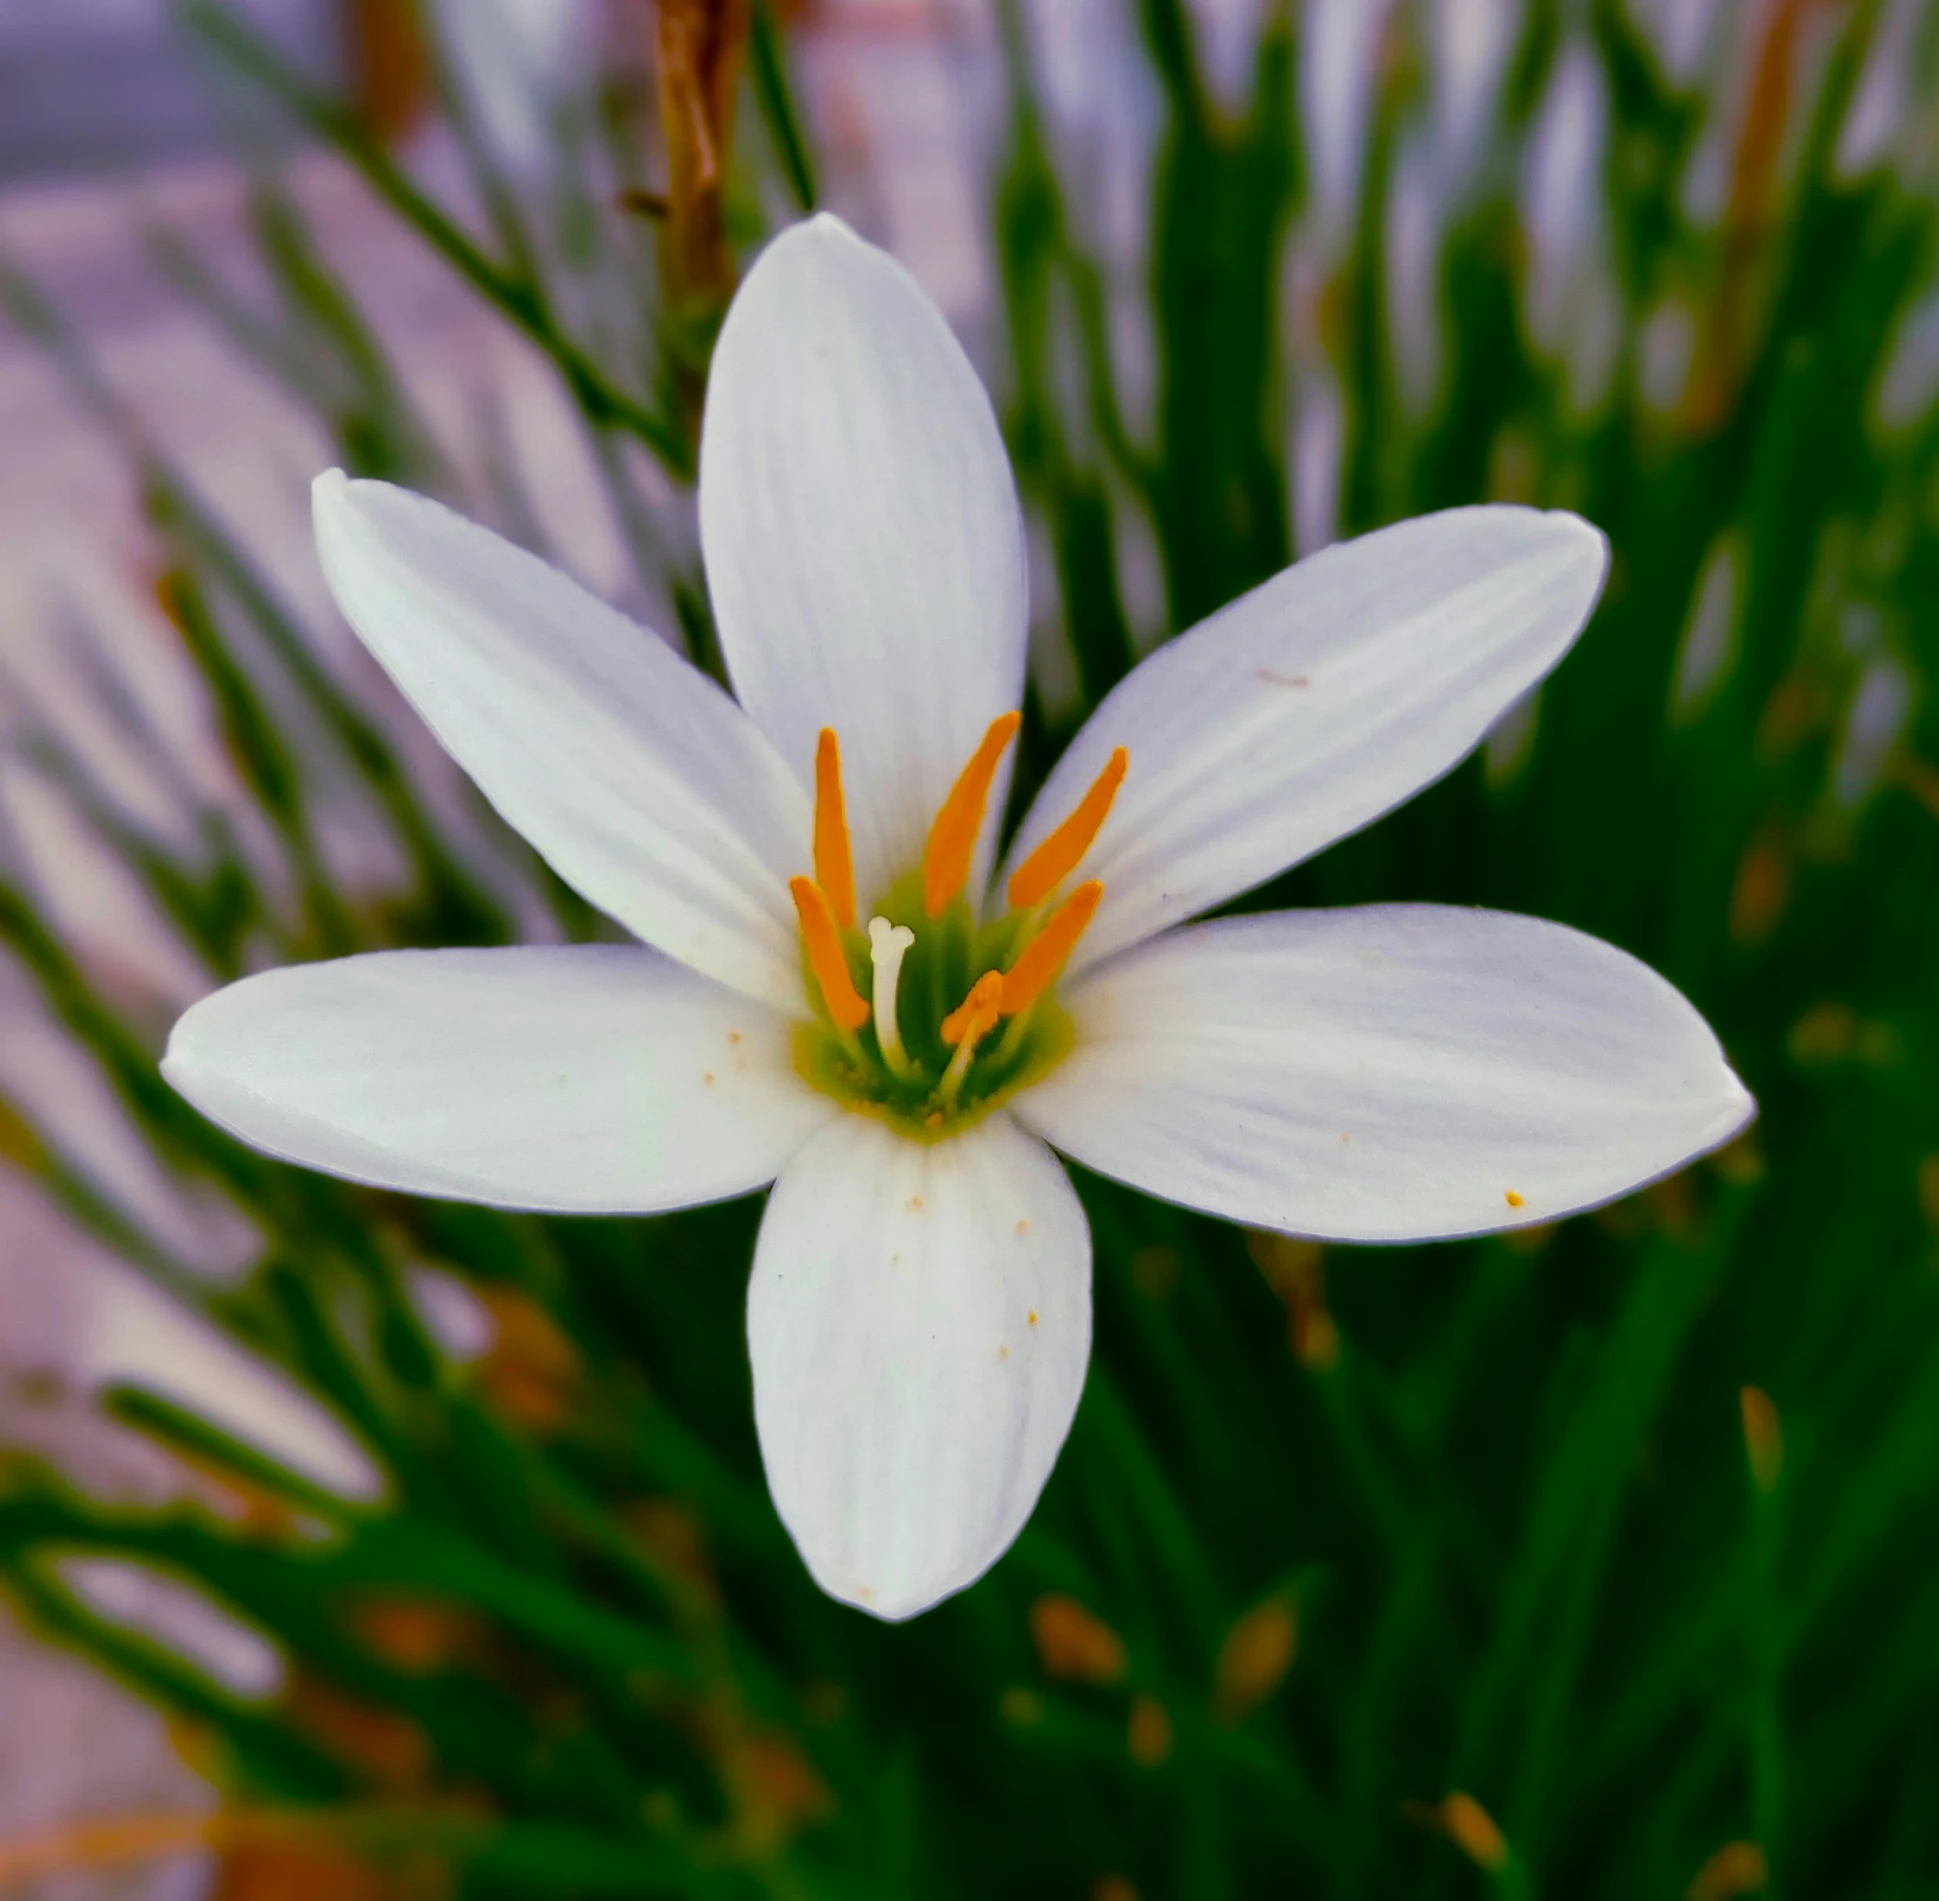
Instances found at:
x=932 y=1016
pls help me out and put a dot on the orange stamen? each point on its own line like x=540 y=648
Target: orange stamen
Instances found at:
x=976 y=1016
x=1044 y=956
x=952 y=839
x=1063 y=851
x=834 y=858
x=823 y=939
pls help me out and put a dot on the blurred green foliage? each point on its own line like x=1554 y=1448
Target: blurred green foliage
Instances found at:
x=1334 y=1536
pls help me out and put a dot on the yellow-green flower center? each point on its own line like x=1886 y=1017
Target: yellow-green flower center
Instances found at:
x=928 y=1016
x=915 y=1075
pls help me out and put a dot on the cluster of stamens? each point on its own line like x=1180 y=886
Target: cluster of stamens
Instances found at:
x=957 y=1012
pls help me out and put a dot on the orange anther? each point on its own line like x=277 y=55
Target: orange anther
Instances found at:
x=1074 y=1643
x=1063 y=851
x=1474 y=1831
x=1044 y=956
x=1763 y=1437
x=823 y=939
x=976 y=1016
x=952 y=839
x=1255 y=1657
x=834 y=858
x=1737 y=1868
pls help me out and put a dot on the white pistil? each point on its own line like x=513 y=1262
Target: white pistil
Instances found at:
x=888 y=945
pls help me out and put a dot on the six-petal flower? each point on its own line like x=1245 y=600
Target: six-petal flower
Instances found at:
x=839 y=995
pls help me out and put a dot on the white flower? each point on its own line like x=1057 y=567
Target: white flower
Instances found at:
x=919 y=1315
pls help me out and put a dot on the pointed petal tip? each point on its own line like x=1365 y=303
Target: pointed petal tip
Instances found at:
x=1571 y=536
x=344 y=513
x=1732 y=1107
x=897 y=1599
x=330 y=498
x=894 y=1600
x=1573 y=539
x=821 y=236
x=174 y=1070
x=195 y=1072
x=1740 y=1109
x=178 y=1058
x=1590 y=543
x=1705 y=1135
x=825 y=224
x=1581 y=556
x=907 y=1609
x=899 y=1603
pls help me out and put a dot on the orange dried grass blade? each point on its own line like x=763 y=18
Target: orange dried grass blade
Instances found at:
x=700 y=45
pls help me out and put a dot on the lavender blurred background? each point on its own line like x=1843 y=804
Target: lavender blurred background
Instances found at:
x=109 y=129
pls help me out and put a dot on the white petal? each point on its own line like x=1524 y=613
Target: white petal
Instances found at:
x=1312 y=705
x=919 y=1321
x=640 y=782
x=592 y=1079
x=1388 y=1074
x=864 y=547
